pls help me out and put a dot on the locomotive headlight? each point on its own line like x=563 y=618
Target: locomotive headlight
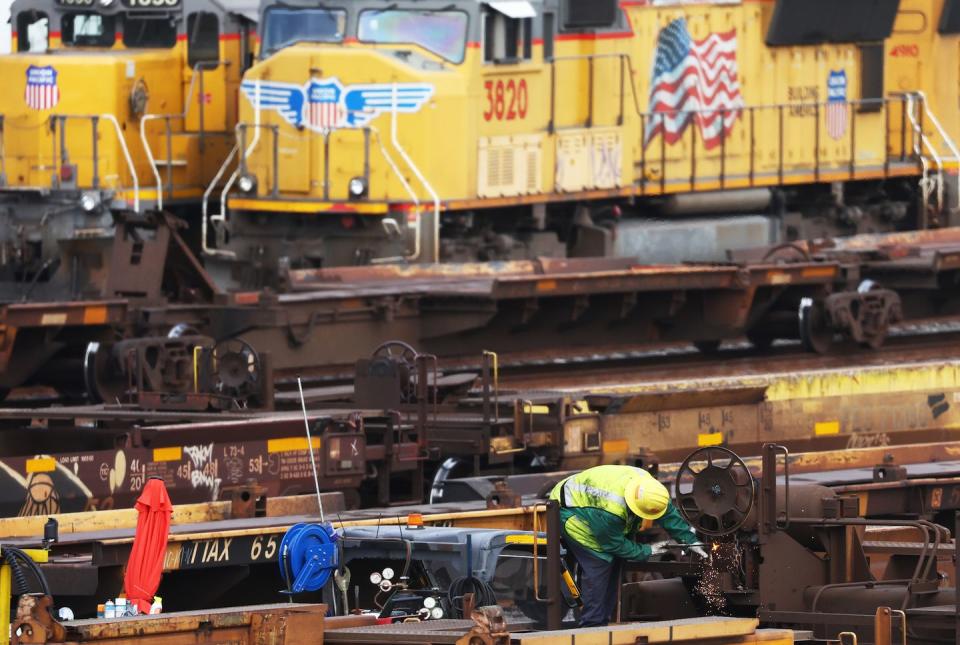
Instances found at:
x=357 y=187
x=89 y=202
x=247 y=183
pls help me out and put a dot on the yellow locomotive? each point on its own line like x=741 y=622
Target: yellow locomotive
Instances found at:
x=389 y=130
x=112 y=109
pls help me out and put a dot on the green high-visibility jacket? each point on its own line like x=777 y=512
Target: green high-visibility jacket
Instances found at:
x=594 y=513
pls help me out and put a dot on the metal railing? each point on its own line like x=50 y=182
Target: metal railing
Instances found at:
x=61 y=156
x=654 y=125
x=916 y=100
x=198 y=72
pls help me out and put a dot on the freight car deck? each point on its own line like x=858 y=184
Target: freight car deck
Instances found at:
x=462 y=310
x=93 y=547
x=379 y=447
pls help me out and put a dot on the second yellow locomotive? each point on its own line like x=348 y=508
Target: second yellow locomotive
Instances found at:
x=112 y=110
x=376 y=131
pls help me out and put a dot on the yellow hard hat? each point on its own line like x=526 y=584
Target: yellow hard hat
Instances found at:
x=647 y=497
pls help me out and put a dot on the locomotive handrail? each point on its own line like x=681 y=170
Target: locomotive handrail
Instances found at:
x=204 y=204
x=198 y=70
x=419 y=175
x=778 y=109
x=416 y=203
x=94 y=120
x=3 y=155
x=244 y=153
x=920 y=141
x=943 y=135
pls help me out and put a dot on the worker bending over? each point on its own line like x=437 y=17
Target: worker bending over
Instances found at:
x=600 y=509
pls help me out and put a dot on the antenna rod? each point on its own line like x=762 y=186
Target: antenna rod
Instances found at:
x=313 y=461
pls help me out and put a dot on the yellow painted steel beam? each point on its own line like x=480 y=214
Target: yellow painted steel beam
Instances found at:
x=715 y=629
x=6 y=599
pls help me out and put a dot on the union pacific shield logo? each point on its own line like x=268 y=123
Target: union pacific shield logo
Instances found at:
x=325 y=110
x=837 y=104
x=325 y=104
x=42 y=92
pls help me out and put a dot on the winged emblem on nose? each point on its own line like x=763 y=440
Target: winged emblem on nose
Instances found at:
x=327 y=104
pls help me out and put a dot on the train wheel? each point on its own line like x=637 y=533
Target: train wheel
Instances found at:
x=816 y=334
x=102 y=379
x=875 y=334
x=708 y=347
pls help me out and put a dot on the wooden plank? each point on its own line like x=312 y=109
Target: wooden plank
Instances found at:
x=126 y=518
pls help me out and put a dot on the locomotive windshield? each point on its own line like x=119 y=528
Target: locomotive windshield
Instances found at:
x=442 y=32
x=286 y=26
x=149 y=31
x=88 y=30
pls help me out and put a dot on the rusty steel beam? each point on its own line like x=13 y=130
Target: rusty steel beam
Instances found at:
x=280 y=624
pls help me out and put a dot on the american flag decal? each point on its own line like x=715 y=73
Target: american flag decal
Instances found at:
x=42 y=92
x=837 y=104
x=693 y=80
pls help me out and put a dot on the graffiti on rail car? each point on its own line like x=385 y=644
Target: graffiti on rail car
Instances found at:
x=108 y=479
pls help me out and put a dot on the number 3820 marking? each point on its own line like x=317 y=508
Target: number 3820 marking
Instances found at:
x=506 y=101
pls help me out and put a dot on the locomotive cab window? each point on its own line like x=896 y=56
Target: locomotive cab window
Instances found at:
x=33 y=31
x=149 y=31
x=871 y=77
x=203 y=39
x=285 y=26
x=443 y=33
x=508 y=32
x=88 y=30
x=549 y=27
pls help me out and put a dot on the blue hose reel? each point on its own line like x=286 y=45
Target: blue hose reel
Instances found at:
x=309 y=555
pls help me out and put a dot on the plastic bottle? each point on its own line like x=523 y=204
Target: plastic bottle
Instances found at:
x=157 y=605
x=101 y=609
x=109 y=610
x=120 y=607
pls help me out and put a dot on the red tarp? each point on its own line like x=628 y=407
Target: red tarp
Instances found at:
x=142 y=577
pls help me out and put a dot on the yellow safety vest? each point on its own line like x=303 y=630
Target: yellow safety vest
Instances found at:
x=601 y=487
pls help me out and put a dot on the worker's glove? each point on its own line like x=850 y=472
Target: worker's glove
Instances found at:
x=659 y=548
x=698 y=551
